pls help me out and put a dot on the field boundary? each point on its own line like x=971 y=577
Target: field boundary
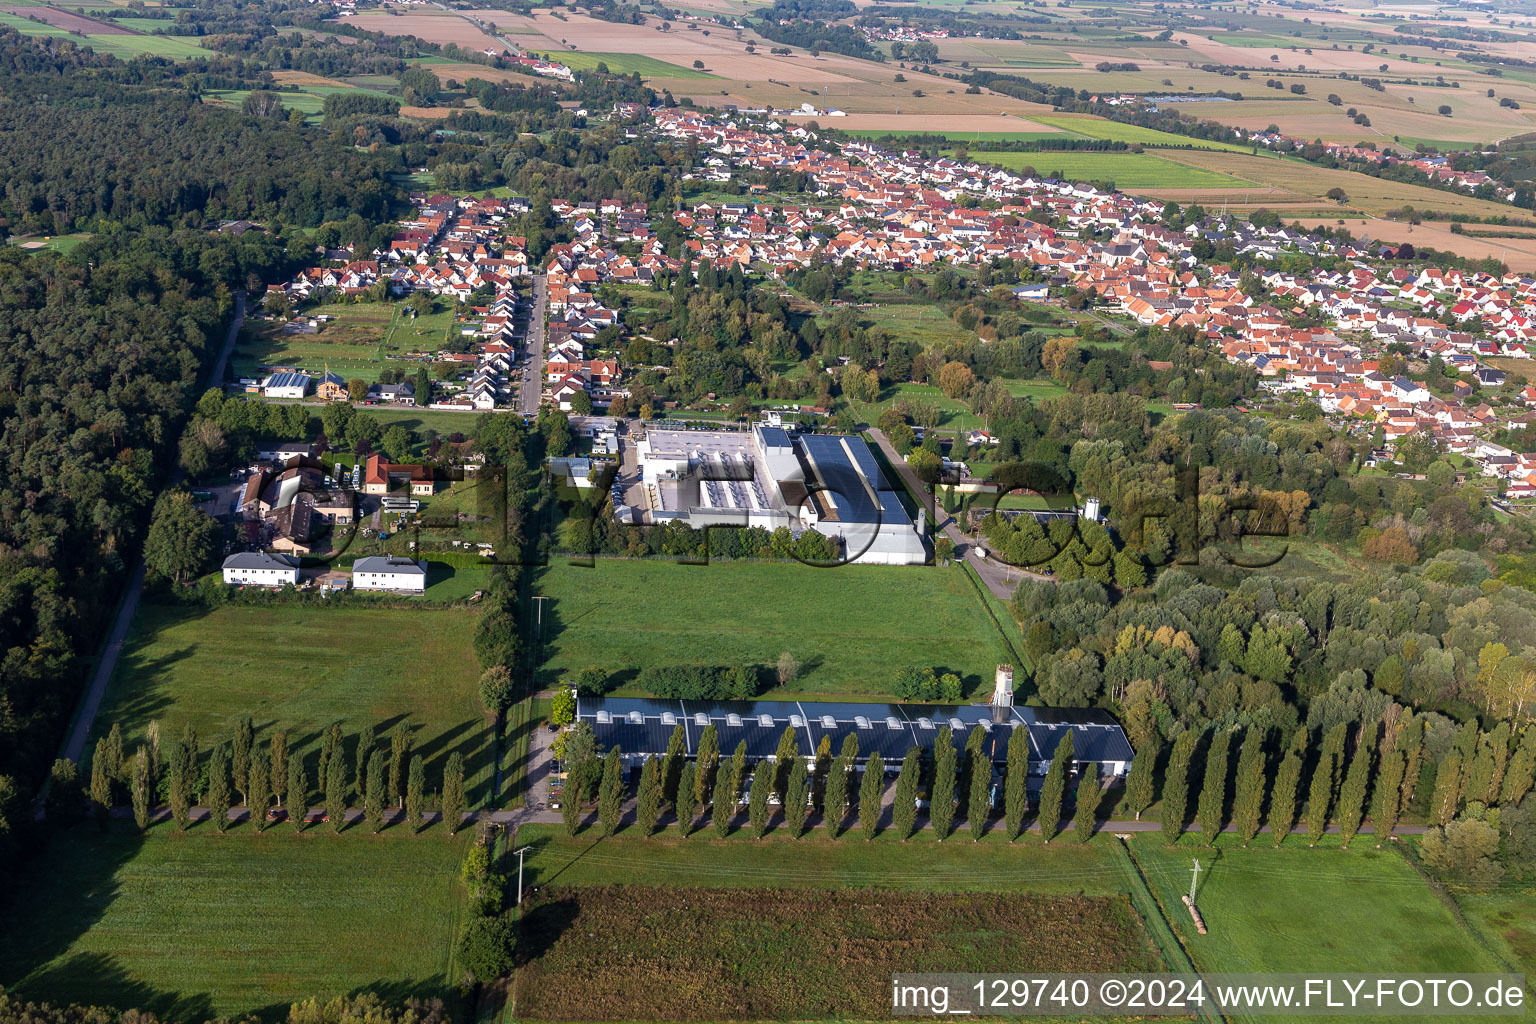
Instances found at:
x=1158 y=926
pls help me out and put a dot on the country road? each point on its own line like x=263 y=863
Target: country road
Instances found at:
x=533 y=368
x=90 y=704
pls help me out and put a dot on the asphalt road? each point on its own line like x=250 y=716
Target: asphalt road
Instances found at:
x=533 y=367
x=90 y=704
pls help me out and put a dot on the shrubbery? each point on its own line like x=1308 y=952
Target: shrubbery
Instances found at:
x=701 y=682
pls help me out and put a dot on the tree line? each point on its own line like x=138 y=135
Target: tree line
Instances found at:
x=380 y=775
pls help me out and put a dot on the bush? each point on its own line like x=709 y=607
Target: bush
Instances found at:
x=700 y=682
x=496 y=689
x=485 y=949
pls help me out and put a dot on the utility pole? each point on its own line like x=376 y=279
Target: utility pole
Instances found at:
x=519 y=854
x=538 y=634
x=1192 y=879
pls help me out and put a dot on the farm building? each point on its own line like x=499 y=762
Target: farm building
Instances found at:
x=641 y=728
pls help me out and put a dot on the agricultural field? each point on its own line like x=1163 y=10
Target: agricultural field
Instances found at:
x=100 y=36
x=851 y=628
x=301 y=669
x=1518 y=251
x=626 y=64
x=1128 y=171
x=201 y=925
x=1293 y=186
x=432 y=26
x=625 y=952
x=1114 y=131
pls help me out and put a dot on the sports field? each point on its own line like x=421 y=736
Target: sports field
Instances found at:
x=851 y=628
x=301 y=669
x=203 y=925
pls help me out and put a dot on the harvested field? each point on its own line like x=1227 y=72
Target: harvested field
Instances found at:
x=68 y=21
x=1518 y=252
x=303 y=78
x=464 y=72
x=434 y=28
x=637 y=953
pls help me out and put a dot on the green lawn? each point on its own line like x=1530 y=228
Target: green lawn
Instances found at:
x=1125 y=170
x=1507 y=917
x=200 y=925
x=302 y=668
x=444 y=422
x=1301 y=909
x=358 y=339
x=851 y=628
x=924 y=324
x=626 y=64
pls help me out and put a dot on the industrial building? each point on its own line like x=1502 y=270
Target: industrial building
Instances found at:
x=642 y=728
x=770 y=478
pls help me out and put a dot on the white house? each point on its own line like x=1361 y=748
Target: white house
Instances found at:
x=381 y=572
x=259 y=569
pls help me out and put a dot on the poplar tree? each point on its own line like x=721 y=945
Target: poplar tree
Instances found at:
x=240 y=761
x=1324 y=784
x=399 y=762
x=297 y=793
x=904 y=807
x=969 y=759
x=189 y=741
x=705 y=765
x=1389 y=791
x=757 y=803
x=101 y=782
x=1479 y=770
x=1282 y=801
x=835 y=797
x=978 y=808
x=1176 y=785
x=1248 y=801
x=1140 y=780
x=672 y=765
x=336 y=793
x=1447 y=795
x=179 y=787
x=330 y=747
x=141 y=787
x=1089 y=795
x=260 y=796
x=648 y=800
x=722 y=804
x=1211 y=808
x=375 y=793
x=1411 y=742
x=454 y=803
x=366 y=742
x=114 y=762
x=817 y=780
x=686 y=805
x=1054 y=790
x=941 y=805
x=1015 y=793
x=1499 y=738
x=871 y=789
x=610 y=792
x=738 y=771
x=1352 y=796
x=218 y=788
x=571 y=798
x=277 y=761
x=797 y=799
x=783 y=760
x=415 y=794
x=1521 y=773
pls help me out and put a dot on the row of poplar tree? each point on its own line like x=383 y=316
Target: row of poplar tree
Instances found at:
x=959 y=783
x=268 y=776
x=1354 y=769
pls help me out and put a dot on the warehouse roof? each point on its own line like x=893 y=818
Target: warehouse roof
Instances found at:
x=645 y=725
